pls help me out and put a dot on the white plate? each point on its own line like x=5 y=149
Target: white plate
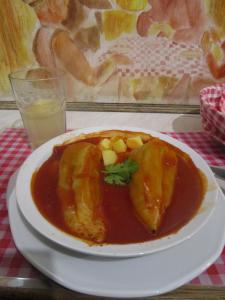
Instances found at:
x=34 y=217
x=115 y=277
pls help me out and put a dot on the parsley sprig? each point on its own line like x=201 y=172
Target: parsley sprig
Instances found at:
x=120 y=174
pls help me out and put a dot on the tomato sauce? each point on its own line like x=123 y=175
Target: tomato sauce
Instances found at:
x=123 y=225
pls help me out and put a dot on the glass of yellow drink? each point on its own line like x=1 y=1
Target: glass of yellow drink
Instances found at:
x=40 y=97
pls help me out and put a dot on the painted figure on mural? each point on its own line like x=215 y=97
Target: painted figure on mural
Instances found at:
x=199 y=22
x=191 y=24
x=187 y=18
x=55 y=40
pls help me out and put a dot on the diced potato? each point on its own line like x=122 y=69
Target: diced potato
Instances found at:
x=134 y=142
x=119 y=146
x=115 y=138
x=105 y=144
x=109 y=157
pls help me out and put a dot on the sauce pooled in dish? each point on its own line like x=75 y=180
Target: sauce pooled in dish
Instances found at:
x=118 y=187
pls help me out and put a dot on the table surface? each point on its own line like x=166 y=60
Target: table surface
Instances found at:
x=153 y=121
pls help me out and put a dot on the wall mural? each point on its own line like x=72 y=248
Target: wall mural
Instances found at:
x=140 y=51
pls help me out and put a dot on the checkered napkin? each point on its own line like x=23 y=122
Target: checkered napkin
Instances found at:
x=13 y=151
x=212 y=111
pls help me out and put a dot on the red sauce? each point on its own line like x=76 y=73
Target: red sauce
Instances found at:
x=123 y=226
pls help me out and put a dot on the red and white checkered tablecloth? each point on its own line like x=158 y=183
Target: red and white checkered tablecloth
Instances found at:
x=13 y=151
x=212 y=110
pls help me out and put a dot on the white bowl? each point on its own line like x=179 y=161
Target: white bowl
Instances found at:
x=35 y=218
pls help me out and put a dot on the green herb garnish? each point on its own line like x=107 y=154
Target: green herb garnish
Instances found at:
x=120 y=174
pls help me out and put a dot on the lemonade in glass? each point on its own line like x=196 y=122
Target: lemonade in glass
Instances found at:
x=40 y=97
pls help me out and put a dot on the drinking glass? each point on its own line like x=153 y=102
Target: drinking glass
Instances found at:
x=40 y=98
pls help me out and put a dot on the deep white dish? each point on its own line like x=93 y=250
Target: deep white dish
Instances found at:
x=34 y=217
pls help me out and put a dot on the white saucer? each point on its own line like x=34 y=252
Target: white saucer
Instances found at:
x=126 y=277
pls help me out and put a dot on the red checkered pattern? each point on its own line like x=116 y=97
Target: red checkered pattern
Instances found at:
x=13 y=151
x=212 y=100
x=157 y=56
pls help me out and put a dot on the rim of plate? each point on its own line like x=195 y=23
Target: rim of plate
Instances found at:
x=37 y=220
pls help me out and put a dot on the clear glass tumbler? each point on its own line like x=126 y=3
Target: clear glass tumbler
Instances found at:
x=40 y=98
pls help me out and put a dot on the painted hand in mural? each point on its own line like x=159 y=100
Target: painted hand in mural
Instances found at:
x=75 y=62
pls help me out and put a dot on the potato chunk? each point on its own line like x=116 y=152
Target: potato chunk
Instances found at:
x=79 y=191
x=134 y=142
x=119 y=146
x=152 y=186
x=109 y=157
x=105 y=144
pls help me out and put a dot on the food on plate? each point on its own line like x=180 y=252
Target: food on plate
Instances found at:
x=134 y=142
x=152 y=186
x=119 y=146
x=79 y=191
x=120 y=173
x=109 y=157
x=118 y=187
x=105 y=144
